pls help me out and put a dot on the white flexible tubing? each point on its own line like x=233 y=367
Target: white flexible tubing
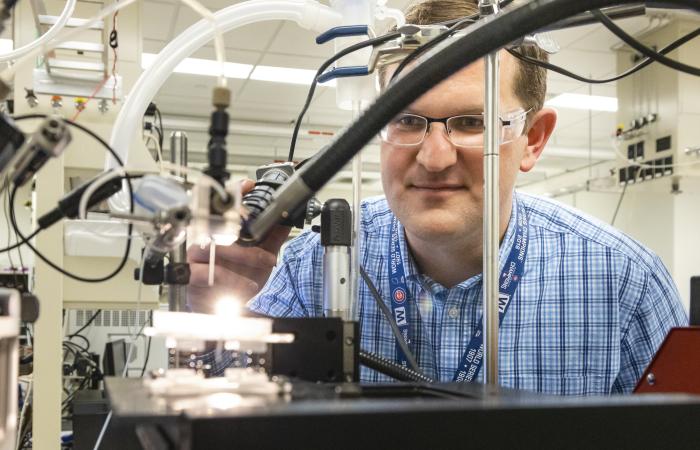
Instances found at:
x=66 y=14
x=308 y=14
x=218 y=37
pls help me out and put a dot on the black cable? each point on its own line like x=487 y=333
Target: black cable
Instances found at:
x=5 y=201
x=19 y=250
x=22 y=242
x=86 y=340
x=25 y=239
x=432 y=43
x=639 y=66
x=43 y=227
x=77 y=347
x=87 y=324
x=390 y=368
x=160 y=126
x=642 y=64
x=641 y=48
x=560 y=70
x=76 y=350
x=70 y=349
x=79 y=352
x=56 y=267
x=483 y=38
x=392 y=324
x=346 y=51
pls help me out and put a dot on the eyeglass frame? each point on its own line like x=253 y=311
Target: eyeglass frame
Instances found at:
x=519 y=114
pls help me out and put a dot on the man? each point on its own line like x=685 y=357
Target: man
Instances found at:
x=586 y=310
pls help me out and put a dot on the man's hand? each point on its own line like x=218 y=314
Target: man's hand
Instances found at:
x=240 y=272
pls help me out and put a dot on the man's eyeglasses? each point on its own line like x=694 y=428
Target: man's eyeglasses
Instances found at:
x=463 y=131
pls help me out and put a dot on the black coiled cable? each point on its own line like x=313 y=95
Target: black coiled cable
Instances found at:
x=392 y=369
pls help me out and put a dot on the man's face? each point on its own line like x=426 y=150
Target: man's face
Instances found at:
x=435 y=188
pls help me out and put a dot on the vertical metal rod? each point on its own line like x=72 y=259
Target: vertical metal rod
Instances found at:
x=355 y=249
x=590 y=140
x=177 y=294
x=491 y=208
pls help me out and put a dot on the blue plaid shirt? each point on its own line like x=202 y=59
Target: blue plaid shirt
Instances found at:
x=592 y=307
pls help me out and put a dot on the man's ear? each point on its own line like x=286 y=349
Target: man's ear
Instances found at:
x=537 y=136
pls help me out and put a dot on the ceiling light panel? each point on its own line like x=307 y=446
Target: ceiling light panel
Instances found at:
x=198 y=66
x=587 y=102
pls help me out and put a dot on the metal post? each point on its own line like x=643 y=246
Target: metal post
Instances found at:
x=356 y=213
x=9 y=366
x=336 y=239
x=177 y=294
x=491 y=207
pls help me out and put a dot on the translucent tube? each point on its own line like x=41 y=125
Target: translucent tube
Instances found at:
x=308 y=14
x=218 y=36
x=44 y=38
x=384 y=12
x=85 y=198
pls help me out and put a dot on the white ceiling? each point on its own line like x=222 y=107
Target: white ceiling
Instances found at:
x=585 y=50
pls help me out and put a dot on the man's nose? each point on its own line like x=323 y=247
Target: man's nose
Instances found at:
x=437 y=153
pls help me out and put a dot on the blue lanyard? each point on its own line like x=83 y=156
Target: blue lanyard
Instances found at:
x=472 y=360
x=399 y=292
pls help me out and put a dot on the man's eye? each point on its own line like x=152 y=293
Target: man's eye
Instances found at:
x=467 y=123
x=409 y=122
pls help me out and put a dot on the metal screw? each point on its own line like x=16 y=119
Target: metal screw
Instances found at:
x=32 y=100
x=57 y=102
x=80 y=103
x=103 y=106
x=348 y=341
x=651 y=379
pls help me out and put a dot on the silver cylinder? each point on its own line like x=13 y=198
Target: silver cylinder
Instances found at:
x=336 y=281
x=491 y=219
x=178 y=152
x=177 y=294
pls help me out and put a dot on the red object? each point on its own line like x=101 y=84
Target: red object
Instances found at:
x=676 y=365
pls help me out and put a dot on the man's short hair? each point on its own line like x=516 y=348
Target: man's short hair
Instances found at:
x=530 y=82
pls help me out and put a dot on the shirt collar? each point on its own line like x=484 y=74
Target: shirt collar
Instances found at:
x=413 y=274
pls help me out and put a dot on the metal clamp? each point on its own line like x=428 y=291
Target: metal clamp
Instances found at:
x=343 y=72
x=339 y=32
x=692 y=150
x=343 y=31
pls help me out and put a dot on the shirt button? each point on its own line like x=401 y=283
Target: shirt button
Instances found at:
x=453 y=313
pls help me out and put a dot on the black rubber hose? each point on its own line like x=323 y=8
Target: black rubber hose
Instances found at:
x=483 y=38
x=392 y=369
